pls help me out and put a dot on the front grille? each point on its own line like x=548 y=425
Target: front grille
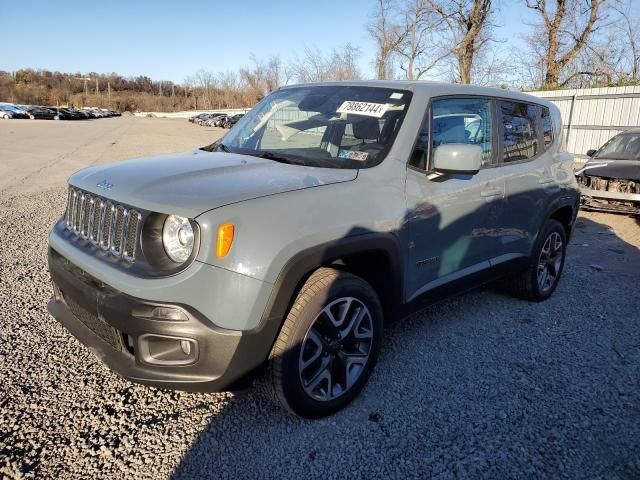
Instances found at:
x=107 y=225
x=94 y=323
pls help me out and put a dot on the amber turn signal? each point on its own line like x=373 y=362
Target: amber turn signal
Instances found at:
x=225 y=239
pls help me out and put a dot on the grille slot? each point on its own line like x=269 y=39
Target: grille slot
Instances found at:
x=112 y=227
x=98 y=326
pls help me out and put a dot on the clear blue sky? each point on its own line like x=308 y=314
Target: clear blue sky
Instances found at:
x=172 y=40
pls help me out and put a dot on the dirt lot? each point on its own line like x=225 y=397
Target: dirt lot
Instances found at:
x=482 y=385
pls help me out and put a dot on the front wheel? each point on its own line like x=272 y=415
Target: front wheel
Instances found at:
x=541 y=277
x=328 y=345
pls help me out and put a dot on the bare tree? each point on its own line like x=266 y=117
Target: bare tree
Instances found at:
x=469 y=30
x=262 y=78
x=562 y=33
x=422 y=49
x=314 y=66
x=343 y=63
x=388 y=36
x=206 y=83
x=628 y=27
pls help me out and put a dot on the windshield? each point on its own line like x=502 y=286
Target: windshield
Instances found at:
x=321 y=126
x=621 y=147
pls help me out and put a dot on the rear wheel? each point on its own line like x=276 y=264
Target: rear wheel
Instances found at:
x=5 y=116
x=328 y=345
x=540 y=279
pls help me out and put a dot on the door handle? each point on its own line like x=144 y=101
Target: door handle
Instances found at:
x=491 y=192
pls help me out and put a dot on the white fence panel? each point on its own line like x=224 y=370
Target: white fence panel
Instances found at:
x=591 y=116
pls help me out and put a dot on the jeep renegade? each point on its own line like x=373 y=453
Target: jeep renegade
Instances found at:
x=278 y=252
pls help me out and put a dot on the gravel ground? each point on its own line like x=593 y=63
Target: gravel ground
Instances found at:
x=479 y=386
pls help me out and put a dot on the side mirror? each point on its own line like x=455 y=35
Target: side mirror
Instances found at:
x=457 y=158
x=591 y=153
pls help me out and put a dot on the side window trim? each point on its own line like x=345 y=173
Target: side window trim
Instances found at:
x=497 y=126
x=552 y=132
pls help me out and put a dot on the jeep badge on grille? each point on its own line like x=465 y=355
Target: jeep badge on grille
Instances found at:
x=104 y=185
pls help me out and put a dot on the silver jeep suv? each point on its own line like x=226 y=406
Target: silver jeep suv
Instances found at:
x=278 y=252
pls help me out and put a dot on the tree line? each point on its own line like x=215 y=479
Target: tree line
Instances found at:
x=203 y=90
x=563 y=44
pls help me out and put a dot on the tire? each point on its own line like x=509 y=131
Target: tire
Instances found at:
x=529 y=285
x=312 y=371
x=5 y=116
x=32 y=117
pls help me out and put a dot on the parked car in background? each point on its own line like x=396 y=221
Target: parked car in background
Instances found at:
x=64 y=114
x=610 y=180
x=96 y=112
x=41 y=113
x=214 y=121
x=219 y=120
x=203 y=117
x=195 y=118
x=11 y=111
x=232 y=120
x=202 y=271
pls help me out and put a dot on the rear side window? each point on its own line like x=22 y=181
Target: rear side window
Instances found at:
x=547 y=128
x=519 y=131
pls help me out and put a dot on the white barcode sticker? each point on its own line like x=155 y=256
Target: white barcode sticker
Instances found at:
x=363 y=108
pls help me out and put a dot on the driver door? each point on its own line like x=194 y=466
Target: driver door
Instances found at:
x=451 y=217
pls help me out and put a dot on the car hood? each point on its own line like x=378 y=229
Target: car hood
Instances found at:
x=601 y=167
x=191 y=183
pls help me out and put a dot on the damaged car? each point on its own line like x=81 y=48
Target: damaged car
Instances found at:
x=610 y=180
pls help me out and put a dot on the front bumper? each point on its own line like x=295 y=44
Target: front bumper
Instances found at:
x=606 y=195
x=605 y=201
x=117 y=328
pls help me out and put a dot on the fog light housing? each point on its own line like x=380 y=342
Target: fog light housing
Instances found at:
x=167 y=351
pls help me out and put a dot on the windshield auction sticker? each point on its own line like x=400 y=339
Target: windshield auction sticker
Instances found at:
x=363 y=108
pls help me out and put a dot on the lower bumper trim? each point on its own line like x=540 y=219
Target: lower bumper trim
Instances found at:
x=108 y=322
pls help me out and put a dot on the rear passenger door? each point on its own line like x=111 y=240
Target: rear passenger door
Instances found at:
x=525 y=132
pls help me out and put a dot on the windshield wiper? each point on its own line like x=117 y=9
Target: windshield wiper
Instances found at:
x=215 y=146
x=279 y=158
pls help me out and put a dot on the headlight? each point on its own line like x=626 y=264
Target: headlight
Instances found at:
x=177 y=238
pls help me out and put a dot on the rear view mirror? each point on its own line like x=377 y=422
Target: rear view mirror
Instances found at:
x=591 y=153
x=457 y=158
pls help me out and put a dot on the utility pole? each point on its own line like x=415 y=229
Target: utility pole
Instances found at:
x=97 y=90
x=173 y=90
x=109 y=92
x=160 y=89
